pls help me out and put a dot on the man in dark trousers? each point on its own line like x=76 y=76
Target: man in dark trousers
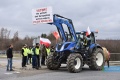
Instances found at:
x=44 y=55
x=36 y=53
x=9 y=57
x=33 y=58
x=24 y=55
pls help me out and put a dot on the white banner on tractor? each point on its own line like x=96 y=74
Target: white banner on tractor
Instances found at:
x=42 y=15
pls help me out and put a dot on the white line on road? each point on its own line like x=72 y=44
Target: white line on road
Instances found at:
x=8 y=73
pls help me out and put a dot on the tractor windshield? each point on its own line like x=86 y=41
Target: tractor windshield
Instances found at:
x=70 y=38
x=68 y=35
x=79 y=35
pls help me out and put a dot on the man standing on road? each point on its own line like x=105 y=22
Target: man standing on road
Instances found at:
x=33 y=58
x=36 y=53
x=9 y=57
x=24 y=55
x=48 y=50
x=29 y=54
x=44 y=55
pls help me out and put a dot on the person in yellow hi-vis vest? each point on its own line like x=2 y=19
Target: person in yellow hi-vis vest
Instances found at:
x=29 y=54
x=36 y=57
x=24 y=55
x=48 y=50
x=47 y=53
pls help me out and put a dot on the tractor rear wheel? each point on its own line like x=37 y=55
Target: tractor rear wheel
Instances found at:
x=51 y=63
x=74 y=63
x=97 y=59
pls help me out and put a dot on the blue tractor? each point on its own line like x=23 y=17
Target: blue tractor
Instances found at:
x=72 y=50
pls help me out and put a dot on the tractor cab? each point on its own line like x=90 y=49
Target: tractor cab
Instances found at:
x=82 y=35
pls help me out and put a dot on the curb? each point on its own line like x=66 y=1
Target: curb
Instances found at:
x=114 y=61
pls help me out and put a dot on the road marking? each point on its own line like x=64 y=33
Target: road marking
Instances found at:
x=8 y=73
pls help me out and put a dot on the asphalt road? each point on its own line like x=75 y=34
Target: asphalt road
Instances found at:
x=61 y=74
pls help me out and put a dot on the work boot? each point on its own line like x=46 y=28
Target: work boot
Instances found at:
x=37 y=68
x=11 y=70
x=7 y=69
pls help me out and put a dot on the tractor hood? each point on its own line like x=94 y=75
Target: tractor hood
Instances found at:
x=65 y=46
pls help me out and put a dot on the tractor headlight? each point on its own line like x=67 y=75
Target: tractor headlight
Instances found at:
x=62 y=48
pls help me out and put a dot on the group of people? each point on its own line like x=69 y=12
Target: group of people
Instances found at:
x=35 y=55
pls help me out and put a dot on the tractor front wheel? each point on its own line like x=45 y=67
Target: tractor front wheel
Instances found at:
x=74 y=63
x=51 y=63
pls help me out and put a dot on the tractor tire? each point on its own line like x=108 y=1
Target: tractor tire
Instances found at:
x=97 y=59
x=74 y=63
x=51 y=64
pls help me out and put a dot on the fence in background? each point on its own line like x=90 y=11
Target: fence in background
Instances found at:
x=113 y=57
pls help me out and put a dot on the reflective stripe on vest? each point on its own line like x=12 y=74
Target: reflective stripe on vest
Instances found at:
x=25 y=51
x=37 y=51
x=48 y=51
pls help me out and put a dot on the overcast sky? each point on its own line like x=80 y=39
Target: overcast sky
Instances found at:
x=101 y=15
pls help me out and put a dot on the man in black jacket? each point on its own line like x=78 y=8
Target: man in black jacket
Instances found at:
x=9 y=57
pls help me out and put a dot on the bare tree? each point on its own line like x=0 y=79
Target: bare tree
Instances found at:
x=4 y=38
x=4 y=33
x=15 y=37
